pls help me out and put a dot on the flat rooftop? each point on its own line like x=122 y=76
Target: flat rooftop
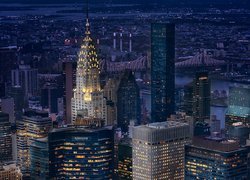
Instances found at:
x=216 y=144
x=163 y=125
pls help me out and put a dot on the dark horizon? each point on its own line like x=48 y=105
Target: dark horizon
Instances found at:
x=170 y=2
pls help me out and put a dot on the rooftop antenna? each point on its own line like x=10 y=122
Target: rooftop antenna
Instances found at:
x=87 y=31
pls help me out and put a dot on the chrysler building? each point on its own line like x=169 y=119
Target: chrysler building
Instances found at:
x=88 y=96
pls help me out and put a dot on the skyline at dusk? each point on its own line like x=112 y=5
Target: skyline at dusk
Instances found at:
x=116 y=90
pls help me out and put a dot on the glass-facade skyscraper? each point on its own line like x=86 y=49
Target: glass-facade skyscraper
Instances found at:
x=5 y=138
x=201 y=96
x=128 y=102
x=125 y=159
x=81 y=153
x=238 y=105
x=215 y=159
x=39 y=159
x=34 y=125
x=162 y=71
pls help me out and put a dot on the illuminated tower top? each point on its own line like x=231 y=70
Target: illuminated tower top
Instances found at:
x=88 y=96
x=88 y=64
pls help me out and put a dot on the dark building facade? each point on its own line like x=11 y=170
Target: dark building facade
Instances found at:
x=8 y=61
x=27 y=78
x=5 y=138
x=162 y=71
x=80 y=153
x=17 y=93
x=50 y=94
x=125 y=159
x=215 y=159
x=128 y=102
x=188 y=99
x=201 y=97
x=69 y=74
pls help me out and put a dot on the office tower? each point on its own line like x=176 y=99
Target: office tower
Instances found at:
x=39 y=159
x=60 y=106
x=110 y=93
x=179 y=98
x=201 y=97
x=50 y=94
x=81 y=153
x=248 y=157
x=81 y=120
x=8 y=60
x=188 y=99
x=182 y=117
x=69 y=73
x=117 y=139
x=10 y=171
x=201 y=128
x=17 y=93
x=125 y=159
x=238 y=105
x=26 y=77
x=128 y=102
x=55 y=79
x=5 y=138
x=248 y=141
x=8 y=106
x=88 y=94
x=162 y=71
x=34 y=124
x=2 y=89
x=34 y=103
x=239 y=131
x=158 y=150
x=215 y=158
x=214 y=124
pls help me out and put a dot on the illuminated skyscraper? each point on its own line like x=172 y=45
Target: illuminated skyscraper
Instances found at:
x=215 y=159
x=125 y=159
x=201 y=97
x=158 y=150
x=5 y=138
x=81 y=153
x=34 y=124
x=88 y=95
x=162 y=71
x=238 y=105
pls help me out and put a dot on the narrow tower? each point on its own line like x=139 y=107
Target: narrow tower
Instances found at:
x=121 y=42
x=130 y=42
x=88 y=96
x=114 y=41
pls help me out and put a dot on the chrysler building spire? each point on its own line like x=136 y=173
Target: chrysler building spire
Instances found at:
x=87 y=26
x=88 y=96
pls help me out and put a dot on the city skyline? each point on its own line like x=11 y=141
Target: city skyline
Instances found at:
x=118 y=90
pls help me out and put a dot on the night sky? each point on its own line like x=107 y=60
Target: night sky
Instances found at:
x=176 y=2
